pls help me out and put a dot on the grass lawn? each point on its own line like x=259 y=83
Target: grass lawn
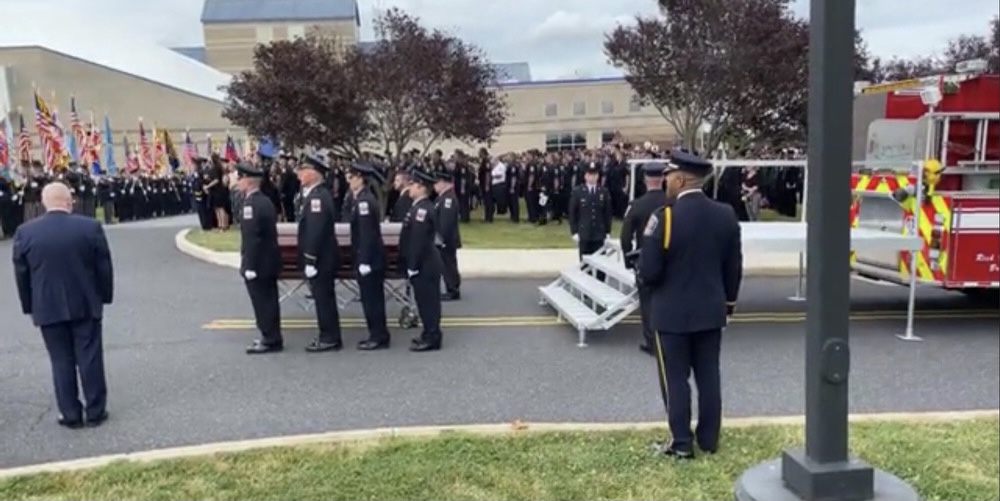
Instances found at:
x=501 y=234
x=947 y=461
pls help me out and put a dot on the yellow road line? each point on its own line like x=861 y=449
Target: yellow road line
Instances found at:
x=550 y=320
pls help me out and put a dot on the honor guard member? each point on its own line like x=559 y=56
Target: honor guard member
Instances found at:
x=590 y=214
x=260 y=259
x=319 y=253
x=368 y=252
x=692 y=259
x=636 y=217
x=447 y=211
x=419 y=254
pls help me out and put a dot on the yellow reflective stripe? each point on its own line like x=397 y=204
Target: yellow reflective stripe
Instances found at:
x=666 y=228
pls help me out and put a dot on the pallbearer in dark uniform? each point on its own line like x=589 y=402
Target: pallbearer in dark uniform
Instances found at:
x=260 y=259
x=692 y=259
x=420 y=256
x=447 y=210
x=368 y=252
x=319 y=253
x=590 y=214
x=636 y=217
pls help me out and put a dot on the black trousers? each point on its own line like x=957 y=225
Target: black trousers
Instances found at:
x=266 y=309
x=109 y=211
x=645 y=314
x=514 y=204
x=449 y=272
x=77 y=347
x=324 y=293
x=427 y=293
x=677 y=356
x=588 y=247
x=372 y=289
x=532 y=206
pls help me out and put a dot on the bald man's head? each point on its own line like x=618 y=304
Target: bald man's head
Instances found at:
x=56 y=196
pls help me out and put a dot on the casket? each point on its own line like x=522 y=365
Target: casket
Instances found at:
x=288 y=243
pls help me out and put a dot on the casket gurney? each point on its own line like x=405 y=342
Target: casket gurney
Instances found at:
x=294 y=284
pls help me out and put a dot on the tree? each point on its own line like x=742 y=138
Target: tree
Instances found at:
x=964 y=48
x=300 y=93
x=707 y=61
x=995 y=45
x=423 y=86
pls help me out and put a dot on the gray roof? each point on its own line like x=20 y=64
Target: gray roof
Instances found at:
x=249 y=11
x=513 y=72
x=196 y=53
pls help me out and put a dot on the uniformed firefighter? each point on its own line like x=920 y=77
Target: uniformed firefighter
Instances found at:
x=368 y=252
x=260 y=259
x=447 y=215
x=319 y=253
x=422 y=260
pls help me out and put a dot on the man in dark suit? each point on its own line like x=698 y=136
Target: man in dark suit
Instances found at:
x=260 y=258
x=64 y=275
x=319 y=253
x=692 y=259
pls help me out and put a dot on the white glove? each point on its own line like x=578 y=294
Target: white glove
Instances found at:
x=576 y=238
x=411 y=273
x=311 y=271
x=608 y=237
x=364 y=269
x=249 y=274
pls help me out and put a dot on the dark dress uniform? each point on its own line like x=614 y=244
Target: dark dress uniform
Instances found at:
x=692 y=259
x=260 y=264
x=420 y=256
x=590 y=216
x=319 y=256
x=401 y=207
x=447 y=212
x=368 y=257
x=636 y=217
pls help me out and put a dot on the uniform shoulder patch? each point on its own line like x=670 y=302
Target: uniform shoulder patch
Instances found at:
x=247 y=212
x=315 y=205
x=447 y=203
x=651 y=226
x=421 y=215
x=363 y=208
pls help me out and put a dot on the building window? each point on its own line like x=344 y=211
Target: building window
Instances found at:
x=608 y=137
x=634 y=106
x=296 y=32
x=608 y=107
x=265 y=34
x=551 y=110
x=579 y=108
x=566 y=141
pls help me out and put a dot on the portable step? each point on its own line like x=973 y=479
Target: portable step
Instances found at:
x=612 y=267
x=570 y=307
x=589 y=286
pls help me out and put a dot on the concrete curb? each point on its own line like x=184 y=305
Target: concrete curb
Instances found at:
x=517 y=427
x=231 y=260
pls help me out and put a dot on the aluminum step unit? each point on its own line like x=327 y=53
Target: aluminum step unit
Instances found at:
x=589 y=303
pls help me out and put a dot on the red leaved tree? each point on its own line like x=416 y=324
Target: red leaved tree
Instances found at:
x=301 y=93
x=423 y=86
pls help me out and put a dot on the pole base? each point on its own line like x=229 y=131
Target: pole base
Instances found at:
x=797 y=298
x=908 y=337
x=764 y=482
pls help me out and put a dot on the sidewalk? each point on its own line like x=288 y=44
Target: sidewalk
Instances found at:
x=518 y=263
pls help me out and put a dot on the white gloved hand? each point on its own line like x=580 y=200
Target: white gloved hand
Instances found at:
x=411 y=273
x=311 y=271
x=576 y=238
x=608 y=237
x=249 y=274
x=364 y=269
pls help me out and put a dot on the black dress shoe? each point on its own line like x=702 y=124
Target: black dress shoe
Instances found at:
x=98 y=420
x=645 y=348
x=317 y=346
x=370 y=345
x=421 y=346
x=451 y=296
x=259 y=348
x=667 y=449
x=73 y=424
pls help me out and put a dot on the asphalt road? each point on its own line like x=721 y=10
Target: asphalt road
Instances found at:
x=173 y=382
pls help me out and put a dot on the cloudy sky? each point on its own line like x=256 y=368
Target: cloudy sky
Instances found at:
x=563 y=38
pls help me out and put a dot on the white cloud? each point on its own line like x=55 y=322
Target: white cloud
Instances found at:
x=563 y=37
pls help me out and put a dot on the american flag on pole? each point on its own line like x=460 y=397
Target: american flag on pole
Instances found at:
x=190 y=151
x=146 y=160
x=230 y=154
x=49 y=132
x=4 y=141
x=131 y=159
x=76 y=127
x=23 y=141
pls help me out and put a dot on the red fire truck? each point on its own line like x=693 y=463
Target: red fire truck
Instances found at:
x=940 y=136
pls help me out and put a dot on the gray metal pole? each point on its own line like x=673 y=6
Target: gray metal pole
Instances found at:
x=824 y=470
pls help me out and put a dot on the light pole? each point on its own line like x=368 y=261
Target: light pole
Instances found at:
x=824 y=471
